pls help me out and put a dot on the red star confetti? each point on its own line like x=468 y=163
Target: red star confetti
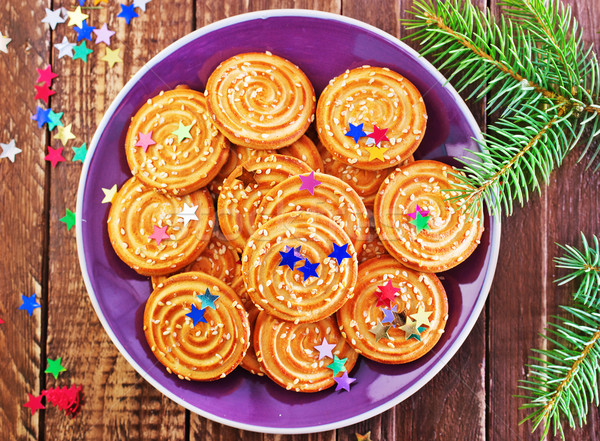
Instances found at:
x=34 y=403
x=159 y=234
x=54 y=156
x=378 y=134
x=45 y=75
x=1 y=321
x=387 y=294
x=43 y=93
x=64 y=398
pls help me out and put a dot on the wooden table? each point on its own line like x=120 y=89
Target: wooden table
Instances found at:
x=472 y=398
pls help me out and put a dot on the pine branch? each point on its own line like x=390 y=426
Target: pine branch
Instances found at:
x=585 y=265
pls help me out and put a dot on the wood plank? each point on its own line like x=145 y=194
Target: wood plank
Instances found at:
x=24 y=222
x=118 y=404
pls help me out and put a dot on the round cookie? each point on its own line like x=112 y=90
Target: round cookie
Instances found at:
x=172 y=145
x=371 y=96
x=289 y=355
x=401 y=336
x=260 y=100
x=187 y=335
x=148 y=234
x=305 y=150
x=439 y=235
x=250 y=361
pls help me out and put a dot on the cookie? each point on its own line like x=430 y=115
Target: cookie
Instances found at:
x=250 y=361
x=148 y=232
x=187 y=335
x=172 y=145
x=400 y=336
x=260 y=100
x=305 y=150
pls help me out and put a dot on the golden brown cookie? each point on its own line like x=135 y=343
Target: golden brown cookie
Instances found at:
x=243 y=190
x=249 y=362
x=260 y=100
x=379 y=99
x=307 y=240
x=305 y=150
x=438 y=235
x=172 y=145
x=289 y=352
x=155 y=233
x=187 y=335
x=400 y=336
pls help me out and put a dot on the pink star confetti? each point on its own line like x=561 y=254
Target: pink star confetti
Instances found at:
x=325 y=349
x=45 y=75
x=344 y=382
x=378 y=134
x=54 y=156
x=145 y=140
x=159 y=234
x=419 y=210
x=309 y=183
x=388 y=293
x=103 y=35
x=34 y=403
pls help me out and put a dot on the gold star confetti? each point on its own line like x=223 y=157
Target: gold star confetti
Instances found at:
x=422 y=317
x=109 y=194
x=76 y=17
x=112 y=56
x=365 y=437
x=64 y=134
x=380 y=331
x=411 y=329
x=376 y=153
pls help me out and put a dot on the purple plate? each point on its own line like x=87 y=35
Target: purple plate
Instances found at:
x=323 y=45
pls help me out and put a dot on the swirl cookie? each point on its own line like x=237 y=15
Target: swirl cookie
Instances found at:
x=437 y=235
x=332 y=198
x=368 y=97
x=305 y=150
x=242 y=191
x=397 y=315
x=219 y=259
x=290 y=267
x=260 y=100
x=249 y=362
x=172 y=145
x=190 y=337
x=290 y=355
x=157 y=234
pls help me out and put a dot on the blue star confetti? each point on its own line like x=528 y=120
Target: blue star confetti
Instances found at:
x=41 y=116
x=208 y=300
x=29 y=303
x=289 y=258
x=197 y=315
x=84 y=32
x=356 y=132
x=309 y=269
x=340 y=253
x=128 y=13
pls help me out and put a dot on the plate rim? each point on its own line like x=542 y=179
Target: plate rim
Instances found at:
x=264 y=14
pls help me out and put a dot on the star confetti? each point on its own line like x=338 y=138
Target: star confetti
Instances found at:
x=188 y=213
x=420 y=222
x=380 y=331
x=68 y=219
x=112 y=57
x=340 y=253
x=64 y=134
x=55 y=367
x=309 y=183
x=29 y=303
x=365 y=437
x=297 y=252
x=109 y=194
x=35 y=403
x=376 y=153
x=54 y=120
x=246 y=177
x=309 y=269
x=41 y=116
x=197 y=315
x=356 y=132
x=145 y=140
x=4 y=40
x=387 y=293
x=344 y=382
x=45 y=75
x=65 y=48
x=289 y=258
x=53 y=18
x=325 y=349
x=98 y=1
x=422 y=317
x=128 y=13
x=423 y=213
x=54 y=156
x=80 y=152
x=103 y=35
x=43 y=93
x=378 y=134
x=84 y=32
x=76 y=17
x=64 y=398
x=338 y=365
x=183 y=132
x=141 y=4
x=411 y=329
x=9 y=150
x=388 y=315
x=160 y=234
x=81 y=52
x=208 y=299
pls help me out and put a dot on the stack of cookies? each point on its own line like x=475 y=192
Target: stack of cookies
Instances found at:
x=287 y=247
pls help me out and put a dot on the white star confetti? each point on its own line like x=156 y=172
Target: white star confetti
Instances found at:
x=188 y=213
x=9 y=150
x=141 y=4
x=53 y=18
x=4 y=40
x=65 y=48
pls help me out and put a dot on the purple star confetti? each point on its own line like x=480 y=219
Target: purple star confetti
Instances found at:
x=344 y=382
x=309 y=183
